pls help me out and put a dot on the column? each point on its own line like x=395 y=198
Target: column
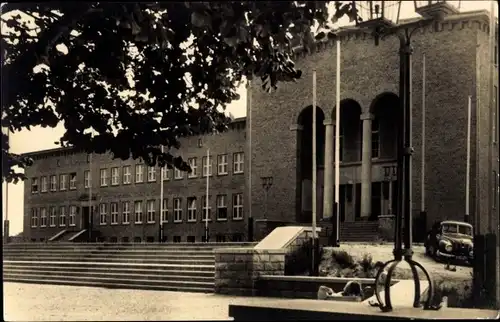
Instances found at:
x=366 y=165
x=328 y=192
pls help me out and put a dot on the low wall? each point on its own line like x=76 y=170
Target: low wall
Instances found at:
x=304 y=287
x=237 y=269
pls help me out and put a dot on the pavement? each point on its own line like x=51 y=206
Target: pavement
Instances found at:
x=32 y=302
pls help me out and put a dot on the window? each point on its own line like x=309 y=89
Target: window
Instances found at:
x=63 y=179
x=87 y=180
x=139 y=173
x=222 y=164
x=72 y=215
x=191 y=239
x=72 y=181
x=177 y=239
x=178 y=174
x=127 y=175
x=191 y=205
x=194 y=168
x=62 y=216
x=102 y=214
x=138 y=212
x=126 y=213
x=53 y=183
x=375 y=139
x=238 y=206
x=34 y=185
x=165 y=174
x=221 y=207
x=177 y=210
x=104 y=177
x=151 y=211
x=44 y=184
x=151 y=174
x=114 y=213
x=206 y=208
x=207 y=166
x=219 y=238
x=238 y=162
x=115 y=176
x=164 y=214
x=43 y=217
x=34 y=217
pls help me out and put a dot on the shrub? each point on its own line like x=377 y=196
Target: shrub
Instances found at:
x=343 y=259
x=300 y=261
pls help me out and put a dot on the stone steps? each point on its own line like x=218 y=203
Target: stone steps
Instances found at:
x=175 y=267
x=359 y=231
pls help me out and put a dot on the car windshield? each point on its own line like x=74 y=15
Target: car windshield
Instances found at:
x=457 y=229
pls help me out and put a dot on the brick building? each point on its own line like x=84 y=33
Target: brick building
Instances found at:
x=126 y=194
x=457 y=66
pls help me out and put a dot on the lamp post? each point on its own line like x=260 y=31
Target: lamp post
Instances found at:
x=267 y=183
x=375 y=16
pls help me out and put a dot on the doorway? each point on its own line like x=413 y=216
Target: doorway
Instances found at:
x=85 y=217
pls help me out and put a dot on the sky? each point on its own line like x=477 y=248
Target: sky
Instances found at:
x=24 y=141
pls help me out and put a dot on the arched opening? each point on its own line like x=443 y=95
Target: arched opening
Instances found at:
x=350 y=140
x=305 y=164
x=385 y=109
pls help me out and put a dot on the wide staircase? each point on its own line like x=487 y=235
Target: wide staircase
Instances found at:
x=188 y=267
x=359 y=231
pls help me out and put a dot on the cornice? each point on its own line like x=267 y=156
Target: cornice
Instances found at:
x=468 y=20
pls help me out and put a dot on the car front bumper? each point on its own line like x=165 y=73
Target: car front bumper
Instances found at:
x=453 y=256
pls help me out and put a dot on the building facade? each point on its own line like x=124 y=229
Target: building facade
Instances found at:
x=126 y=194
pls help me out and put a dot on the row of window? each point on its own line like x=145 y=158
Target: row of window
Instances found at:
x=219 y=238
x=126 y=175
x=152 y=206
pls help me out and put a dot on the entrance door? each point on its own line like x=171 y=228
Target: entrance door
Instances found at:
x=85 y=217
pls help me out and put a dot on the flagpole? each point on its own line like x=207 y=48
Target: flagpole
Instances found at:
x=206 y=198
x=422 y=179
x=337 y=147
x=90 y=200
x=249 y=157
x=314 y=171
x=161 y=202
x=467 y=177
x=491 y=180
x=6 y=221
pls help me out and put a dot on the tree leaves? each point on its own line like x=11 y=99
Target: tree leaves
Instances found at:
x=142 y=75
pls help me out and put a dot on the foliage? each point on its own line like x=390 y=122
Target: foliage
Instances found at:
x=126 y=78
x=299 y=262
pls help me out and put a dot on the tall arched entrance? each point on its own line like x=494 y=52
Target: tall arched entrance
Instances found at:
x=305 y=164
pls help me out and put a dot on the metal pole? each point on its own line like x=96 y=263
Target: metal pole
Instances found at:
x=207 y=194
x=408 y=151
x=314 y=173
x=162 y=233
x=6 y=221
x=422 y=180
x=249 y=157
x=90 y=212
x=467 y=175
x=491 y=180
x=337 y=147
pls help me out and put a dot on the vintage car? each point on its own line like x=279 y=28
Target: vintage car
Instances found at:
x=450 y=240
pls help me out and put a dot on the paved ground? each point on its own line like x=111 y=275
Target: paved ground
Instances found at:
x=383 y=252
x=32 y=302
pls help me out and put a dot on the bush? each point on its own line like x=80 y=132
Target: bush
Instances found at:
x=300 y=261
x=343 y=259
